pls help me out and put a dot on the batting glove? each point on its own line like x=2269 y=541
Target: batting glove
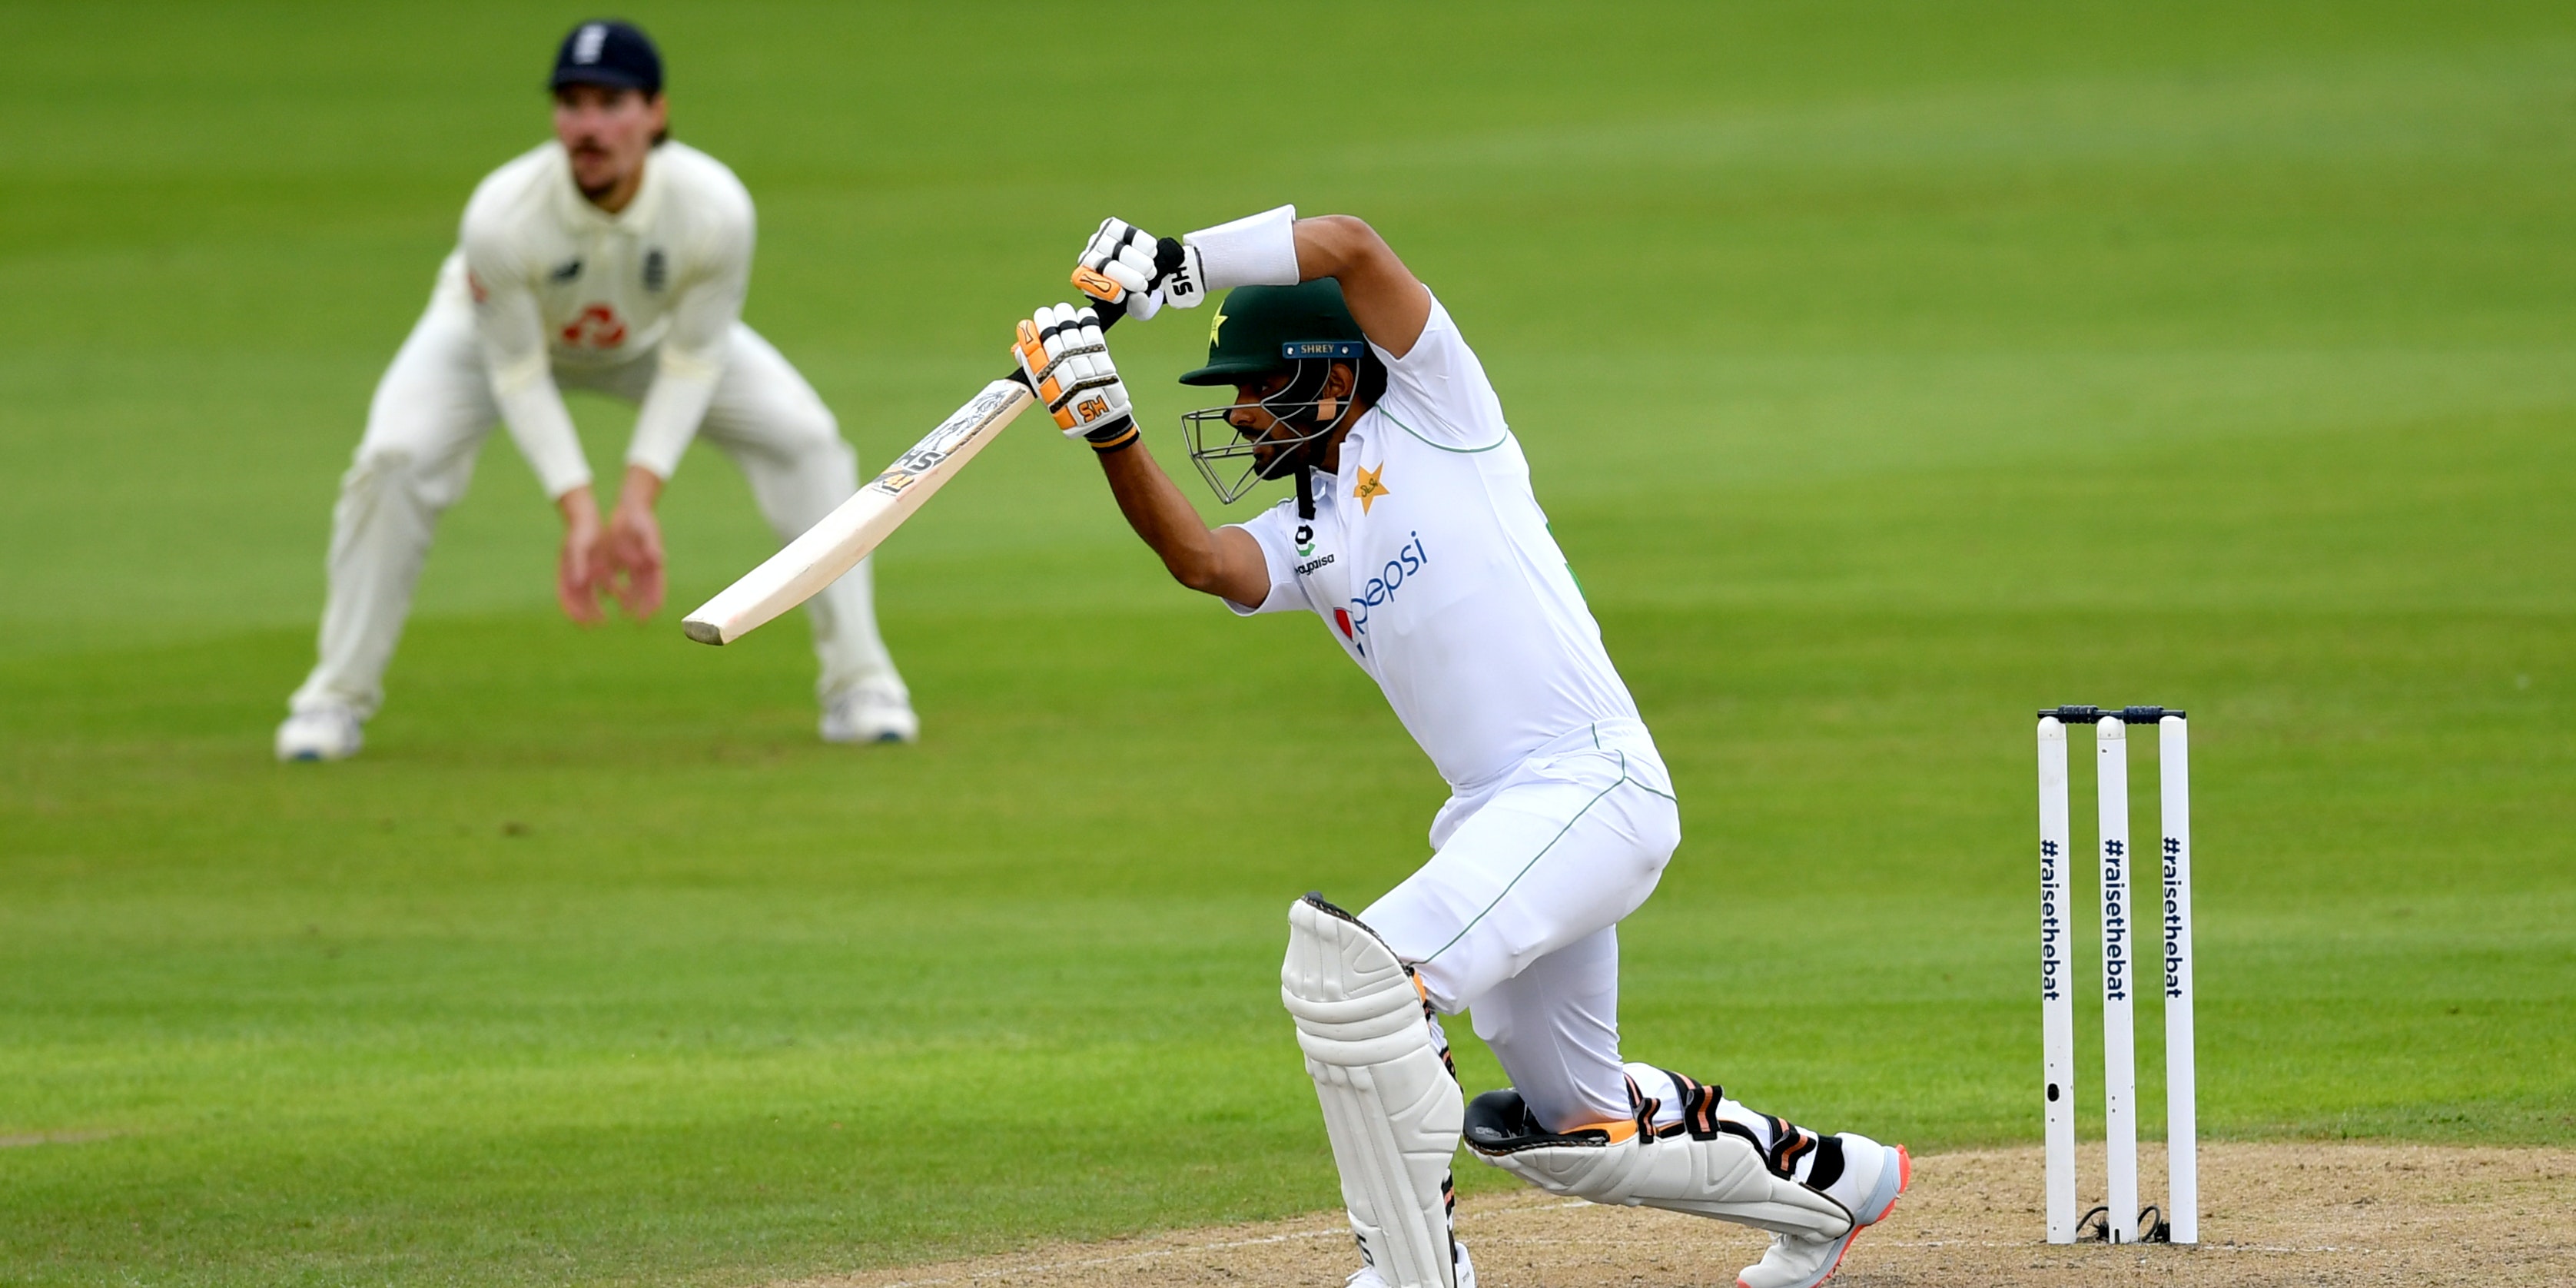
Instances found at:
x=1123 y=261
x=1067 y=364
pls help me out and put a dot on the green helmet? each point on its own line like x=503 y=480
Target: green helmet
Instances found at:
x=1303 y=332
x=1263 y=329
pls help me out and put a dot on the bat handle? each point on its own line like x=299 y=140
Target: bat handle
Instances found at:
x=1091 y=284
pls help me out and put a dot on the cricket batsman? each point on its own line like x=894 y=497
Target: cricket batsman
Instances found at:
x=1415 y=537
x=614 y=260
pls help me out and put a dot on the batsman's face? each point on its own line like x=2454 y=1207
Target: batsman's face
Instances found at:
x=1271 y=435
x=606 y=130
x=1249 y=418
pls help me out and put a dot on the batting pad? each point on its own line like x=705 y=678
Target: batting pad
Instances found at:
x=1391 y=1107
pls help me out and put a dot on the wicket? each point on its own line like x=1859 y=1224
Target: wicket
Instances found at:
x=2121 y=1214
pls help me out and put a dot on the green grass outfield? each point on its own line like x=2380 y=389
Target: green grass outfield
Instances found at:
x=1887 y=372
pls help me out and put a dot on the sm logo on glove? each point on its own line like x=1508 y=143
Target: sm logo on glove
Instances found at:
x=597 y=327
x=1091 y=409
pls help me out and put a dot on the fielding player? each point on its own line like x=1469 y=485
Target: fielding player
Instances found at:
x=611 y=260
x=1415 y=537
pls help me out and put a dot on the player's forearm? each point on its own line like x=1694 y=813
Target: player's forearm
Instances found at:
x=639 y=490
x=1387 y=301
x=673 y=408
x=514 y=351
x=1332 y=245
x=1164 y=519
x=538 y=423
x=579 y=507
x=692 y=362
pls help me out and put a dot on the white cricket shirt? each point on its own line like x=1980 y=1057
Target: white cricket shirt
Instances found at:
x=557 y=280
x=1432 y=566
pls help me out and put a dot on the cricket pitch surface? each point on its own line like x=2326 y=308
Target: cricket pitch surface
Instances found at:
x=2307 y=1213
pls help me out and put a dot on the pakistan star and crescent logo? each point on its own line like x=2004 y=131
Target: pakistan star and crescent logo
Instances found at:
x=1369 y=489
x=1216 y=326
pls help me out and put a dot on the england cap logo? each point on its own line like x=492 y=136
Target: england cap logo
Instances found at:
x=606 y=51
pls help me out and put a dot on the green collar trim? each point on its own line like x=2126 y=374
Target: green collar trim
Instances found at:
x=1441 y=447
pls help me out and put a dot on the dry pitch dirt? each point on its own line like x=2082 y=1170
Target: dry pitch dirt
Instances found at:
x=2271 y=1214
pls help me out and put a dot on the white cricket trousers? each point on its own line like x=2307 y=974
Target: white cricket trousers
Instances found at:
x=429 y=418
x=1515 y=918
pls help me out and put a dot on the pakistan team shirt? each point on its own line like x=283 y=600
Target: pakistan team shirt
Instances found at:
x=1431 y=564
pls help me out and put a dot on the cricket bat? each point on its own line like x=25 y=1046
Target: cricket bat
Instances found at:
x=859 y=525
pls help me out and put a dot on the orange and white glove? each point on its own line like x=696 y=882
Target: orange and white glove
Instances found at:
x=1067 y=364
x=1124 y=262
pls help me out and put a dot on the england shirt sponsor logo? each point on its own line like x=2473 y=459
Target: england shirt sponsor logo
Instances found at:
x=596 y=327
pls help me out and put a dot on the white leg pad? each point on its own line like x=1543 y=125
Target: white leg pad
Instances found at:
x=1721 y=1175
x=1391 y=1106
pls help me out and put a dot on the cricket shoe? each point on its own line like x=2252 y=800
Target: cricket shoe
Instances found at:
x=1873 y=1176
x=326 y=732
x=870 y=711
x=1463 y=1269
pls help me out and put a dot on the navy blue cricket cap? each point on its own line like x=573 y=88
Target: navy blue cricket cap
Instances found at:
x=608 y=52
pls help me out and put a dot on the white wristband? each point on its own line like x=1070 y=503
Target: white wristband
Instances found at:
x=1256 y=250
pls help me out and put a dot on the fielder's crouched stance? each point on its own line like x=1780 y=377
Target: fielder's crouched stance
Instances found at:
x=614 y=261
x=1415 y=537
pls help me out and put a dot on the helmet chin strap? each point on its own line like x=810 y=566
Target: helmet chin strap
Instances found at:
x=1310 y=461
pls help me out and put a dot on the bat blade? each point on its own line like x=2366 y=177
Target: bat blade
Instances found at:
x=847 y=535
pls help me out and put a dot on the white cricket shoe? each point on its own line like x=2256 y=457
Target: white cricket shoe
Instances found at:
x=870 y=711
x=1873 y=1175
x=1368 y=1277
x=326 y=732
